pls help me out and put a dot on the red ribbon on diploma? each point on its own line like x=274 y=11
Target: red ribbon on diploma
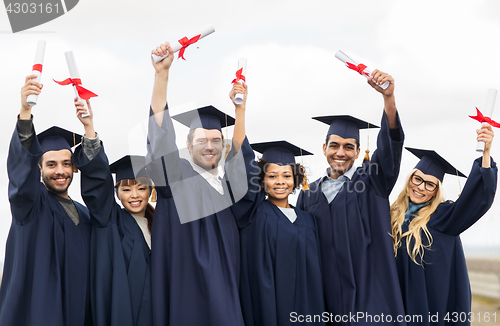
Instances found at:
x=185 y=42
x=239 y=76
x=481 y=118
x=84 y=93
x=37 y=67
x=359 y=68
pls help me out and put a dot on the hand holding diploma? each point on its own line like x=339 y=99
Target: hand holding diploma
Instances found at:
x=75 y=80
x=485 y=120
x=359 y=68
x=37 y=69
x=184 y=42
x=86 y=117
x=31 y=87
x=240 y=78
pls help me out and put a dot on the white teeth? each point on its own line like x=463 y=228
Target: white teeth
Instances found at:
x=418 y=194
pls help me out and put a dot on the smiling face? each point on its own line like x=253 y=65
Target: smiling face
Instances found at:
x=278 y=183
x=134 y=195
x=341 y=153
x=206 y=148
x=419 y=194
x=56 y=169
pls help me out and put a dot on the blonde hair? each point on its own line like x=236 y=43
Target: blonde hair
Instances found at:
x=418 y=225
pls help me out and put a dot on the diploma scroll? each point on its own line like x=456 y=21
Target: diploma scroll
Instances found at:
x=37 y=69
x=240 y=77
x=207 y=30
x=74 y=74
x=488 y=111
x=360 y=68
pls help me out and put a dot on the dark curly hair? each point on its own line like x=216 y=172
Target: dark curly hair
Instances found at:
x=297 y=171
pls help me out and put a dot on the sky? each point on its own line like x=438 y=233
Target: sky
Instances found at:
x=442 y=54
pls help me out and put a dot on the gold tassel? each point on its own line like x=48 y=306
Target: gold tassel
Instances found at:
x=305 y=185
x=153 y=195
x=228 y=147
x=367 y=156
x=75 y=169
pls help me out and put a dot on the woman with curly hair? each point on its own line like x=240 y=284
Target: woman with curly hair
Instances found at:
x=280 y=265
x=426 y=235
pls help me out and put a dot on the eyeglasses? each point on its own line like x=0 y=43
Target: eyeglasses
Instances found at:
x=417 y=181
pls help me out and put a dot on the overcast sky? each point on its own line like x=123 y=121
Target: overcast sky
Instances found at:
x=444 y=56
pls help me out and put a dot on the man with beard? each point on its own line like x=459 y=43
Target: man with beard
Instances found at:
x=46 y=270
x=351 y=208
x=196 y=256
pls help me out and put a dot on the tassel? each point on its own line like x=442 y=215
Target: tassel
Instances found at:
x=367 y=156
x=75 y=169
x=228 y=149
x=305 y=185
x=153 y=195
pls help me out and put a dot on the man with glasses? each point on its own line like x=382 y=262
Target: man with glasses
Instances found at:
x=351 y=208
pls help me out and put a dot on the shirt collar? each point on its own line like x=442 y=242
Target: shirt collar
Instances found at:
x=347 y=174
x=206 y=174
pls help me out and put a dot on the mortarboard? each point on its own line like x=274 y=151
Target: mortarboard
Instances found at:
x=344 y=126
x=129 y=167
x=207 y=117
x=432 y=163
x=279 y=152
x=55 y=139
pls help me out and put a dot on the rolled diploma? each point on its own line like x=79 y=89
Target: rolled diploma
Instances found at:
x=344 y=58
x=40 y=53
x=488 y=112
x=176 y=46
x=242 y=63
x=73 y=73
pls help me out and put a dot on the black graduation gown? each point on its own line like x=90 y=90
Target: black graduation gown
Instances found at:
x=439 y=289
x=120 y=281
x=357 y=256
x=280 y=260
x=195 y=265
x=46 y=269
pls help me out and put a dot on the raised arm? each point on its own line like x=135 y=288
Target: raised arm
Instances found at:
x=476 y=197
x=159 y=97
x=97 y=186
x=379 y=78
x=22 y=161
x=239 y=109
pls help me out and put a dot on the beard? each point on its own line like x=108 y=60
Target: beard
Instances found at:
x=48 y=182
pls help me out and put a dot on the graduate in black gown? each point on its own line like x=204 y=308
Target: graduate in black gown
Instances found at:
x=196 y=256
x=46 y=270
x=280 y=261
x=121 y=237
x=351 y=207
x=426 y=232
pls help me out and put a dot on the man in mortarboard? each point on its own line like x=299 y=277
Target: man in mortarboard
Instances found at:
x=46 y=271
x=351 y=207
x=196 y=256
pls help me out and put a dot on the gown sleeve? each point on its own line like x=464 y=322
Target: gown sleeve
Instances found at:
x=97 y=187
x=475 y=200
x=244 y=209
x=24 y=180
x=383 y=170
x=162 y=148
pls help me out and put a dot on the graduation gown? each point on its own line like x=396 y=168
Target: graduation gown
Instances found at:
x=280 y=261
x=357 y=255
x=195 y=265
x=120 y=281
x=439 y=288
x=46 y=269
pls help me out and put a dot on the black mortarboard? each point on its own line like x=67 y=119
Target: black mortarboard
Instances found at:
x=345 y=126
x=279 y=152
x=207 y=117
x=55 y=139
x=129 y=167
x=432 y=163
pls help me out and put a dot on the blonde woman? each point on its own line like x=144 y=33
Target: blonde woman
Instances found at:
x=426 y=235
